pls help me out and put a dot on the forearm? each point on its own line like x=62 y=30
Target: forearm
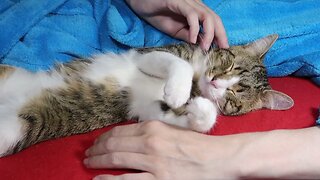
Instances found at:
x=279 y=154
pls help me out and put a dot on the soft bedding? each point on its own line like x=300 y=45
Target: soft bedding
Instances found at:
x=35 y=34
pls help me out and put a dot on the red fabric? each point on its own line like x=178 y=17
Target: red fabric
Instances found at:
x=62 y=158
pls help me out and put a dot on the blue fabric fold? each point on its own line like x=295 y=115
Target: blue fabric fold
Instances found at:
x=35 y=34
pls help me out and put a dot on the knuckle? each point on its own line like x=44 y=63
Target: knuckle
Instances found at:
x=208 y=17
x=152 y=143
x=218 y=18
x=193 y=15
x=151 y=125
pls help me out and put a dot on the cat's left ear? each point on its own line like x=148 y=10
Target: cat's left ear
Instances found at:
x=276 y=100
x=261 y=46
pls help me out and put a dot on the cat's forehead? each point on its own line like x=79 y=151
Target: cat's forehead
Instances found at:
x=241 y=55
x=249 y=68
x=237 y=54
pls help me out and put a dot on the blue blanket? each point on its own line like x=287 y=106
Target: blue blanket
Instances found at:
x=35 y=34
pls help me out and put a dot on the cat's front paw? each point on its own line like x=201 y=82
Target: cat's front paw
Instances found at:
x=202 y=114
x=177 y=92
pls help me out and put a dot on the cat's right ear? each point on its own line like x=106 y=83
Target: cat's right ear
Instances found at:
x=261 y=46
x=276 y=100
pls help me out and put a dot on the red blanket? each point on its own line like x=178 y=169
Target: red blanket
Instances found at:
x=62 y=158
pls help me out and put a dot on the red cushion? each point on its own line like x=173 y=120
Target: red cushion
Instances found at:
x=62 y=158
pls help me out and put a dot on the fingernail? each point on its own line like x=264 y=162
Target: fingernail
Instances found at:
x=193 y=39
x=206 y=46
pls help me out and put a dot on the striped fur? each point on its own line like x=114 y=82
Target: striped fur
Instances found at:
x=87 y=94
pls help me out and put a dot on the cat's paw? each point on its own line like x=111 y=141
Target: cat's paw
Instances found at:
x=177 y=92
x=202 y=114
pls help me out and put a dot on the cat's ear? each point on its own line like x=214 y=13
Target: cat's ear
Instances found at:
x=261 y=46
x=276 y=100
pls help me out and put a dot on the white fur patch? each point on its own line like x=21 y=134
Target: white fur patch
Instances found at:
x=178 y=87
x=15 y=92
x=202 y=114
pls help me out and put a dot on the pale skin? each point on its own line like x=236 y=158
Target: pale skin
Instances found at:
x=181 y=19
x=162 y=151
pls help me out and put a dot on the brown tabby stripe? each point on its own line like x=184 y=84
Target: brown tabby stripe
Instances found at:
x=73 y=68
x=80 y=107
x=244 y=85
x=243 y=71
x=183 y=50
x=180 y=111
x=233 y=104
x=230 y=52
x=5 y=71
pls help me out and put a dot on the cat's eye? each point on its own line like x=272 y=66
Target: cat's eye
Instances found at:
x=237 y=68
x=230 y=68
x=240 y=90
x=231 y=91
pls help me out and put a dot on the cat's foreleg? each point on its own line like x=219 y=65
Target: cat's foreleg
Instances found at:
x=177 y=72
x=202 y=114
x=199 y=114
x=12 y=130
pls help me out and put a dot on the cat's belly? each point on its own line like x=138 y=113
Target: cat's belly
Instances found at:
x=21 y=86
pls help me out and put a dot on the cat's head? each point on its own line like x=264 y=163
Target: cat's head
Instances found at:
x=236 y=79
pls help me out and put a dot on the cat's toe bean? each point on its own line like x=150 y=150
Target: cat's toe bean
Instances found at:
x=202 y=114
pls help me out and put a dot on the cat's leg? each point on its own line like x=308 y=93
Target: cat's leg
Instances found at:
x=177 y=73
x=12 y=130
x=199 y=114
x=202 y=114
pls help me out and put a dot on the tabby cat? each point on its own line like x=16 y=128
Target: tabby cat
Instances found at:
x=177 y=84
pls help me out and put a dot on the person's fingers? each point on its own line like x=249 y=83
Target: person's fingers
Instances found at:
x=190 y=10
x=129 y=176
x=213 y=28
x=220 y=35
x=117 y=144
x=121 y=160
x=124 y=130
x=193 y=22
x=208 y=32
x=196 y=12
x=183 y=34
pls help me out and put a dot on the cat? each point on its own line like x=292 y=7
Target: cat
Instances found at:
x=178 y=84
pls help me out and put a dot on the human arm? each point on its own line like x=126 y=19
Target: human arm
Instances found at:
x=167 y=152
x=180 y=19
x=290 y=154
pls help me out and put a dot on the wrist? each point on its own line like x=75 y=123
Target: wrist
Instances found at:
x=223 y=159
x=278 y=154
x=241 y=155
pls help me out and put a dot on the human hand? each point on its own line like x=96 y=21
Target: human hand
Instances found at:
x=180 y=19
x=161 y=152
